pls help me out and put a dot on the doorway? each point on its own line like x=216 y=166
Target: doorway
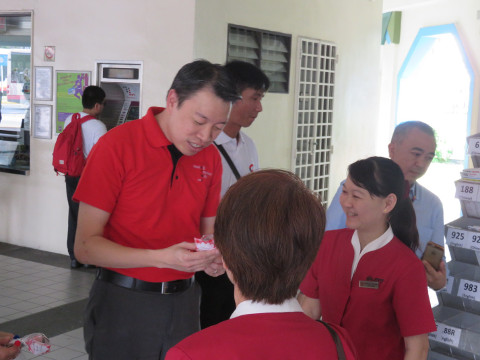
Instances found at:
x=435 y=85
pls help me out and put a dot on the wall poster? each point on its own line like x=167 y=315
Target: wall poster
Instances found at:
x=70 y=86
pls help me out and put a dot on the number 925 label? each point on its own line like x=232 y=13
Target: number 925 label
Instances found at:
x=456 y=237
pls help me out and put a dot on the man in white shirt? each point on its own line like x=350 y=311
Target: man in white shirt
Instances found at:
x=93 y=102
x=239 y=158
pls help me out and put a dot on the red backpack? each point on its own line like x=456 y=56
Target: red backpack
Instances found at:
x=68 y=151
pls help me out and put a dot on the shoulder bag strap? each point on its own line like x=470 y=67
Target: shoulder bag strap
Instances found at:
x=229 y=161
x=76 y=117
x=86 y=118
x=336 y=340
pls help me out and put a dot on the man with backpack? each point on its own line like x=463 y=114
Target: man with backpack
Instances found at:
x=93 y=102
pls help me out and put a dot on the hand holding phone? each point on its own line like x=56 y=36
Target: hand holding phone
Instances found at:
x=433 y=254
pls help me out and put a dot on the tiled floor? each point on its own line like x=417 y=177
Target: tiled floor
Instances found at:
x=40 y=293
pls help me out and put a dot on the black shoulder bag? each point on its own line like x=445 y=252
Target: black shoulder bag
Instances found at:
x=336 y=340
x=229 y=161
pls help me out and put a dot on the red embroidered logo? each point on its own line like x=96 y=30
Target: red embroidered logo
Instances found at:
x=204 y=174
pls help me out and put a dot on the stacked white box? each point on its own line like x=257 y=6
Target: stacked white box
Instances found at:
x=458 y=315
x=454 y=335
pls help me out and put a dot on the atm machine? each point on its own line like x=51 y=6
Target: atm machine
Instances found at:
x=121 y=82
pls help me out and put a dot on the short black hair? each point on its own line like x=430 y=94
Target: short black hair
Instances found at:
x=92 y=95
x=246 y=75
x=200 y=74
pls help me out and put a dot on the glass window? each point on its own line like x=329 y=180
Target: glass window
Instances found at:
x=15 y=74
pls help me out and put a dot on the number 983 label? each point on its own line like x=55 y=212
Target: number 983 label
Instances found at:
x=469 y=290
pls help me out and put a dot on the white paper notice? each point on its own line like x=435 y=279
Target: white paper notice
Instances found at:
x=456 y=237
x=446 y=334
x=474 y=146
x=466 y=191
x=469 y=290
x=473 y=240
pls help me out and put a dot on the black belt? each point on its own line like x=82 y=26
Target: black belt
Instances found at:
x=169 y=287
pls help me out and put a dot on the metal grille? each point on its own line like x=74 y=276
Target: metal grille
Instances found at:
x=313 y=116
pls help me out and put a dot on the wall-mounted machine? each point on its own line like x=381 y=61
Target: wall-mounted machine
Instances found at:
x=121 y=82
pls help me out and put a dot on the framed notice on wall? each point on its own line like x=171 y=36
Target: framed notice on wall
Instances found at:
x=42 y=125
x=43 y=83
x=70 y=86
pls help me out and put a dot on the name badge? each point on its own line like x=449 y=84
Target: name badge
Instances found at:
x=368 y=284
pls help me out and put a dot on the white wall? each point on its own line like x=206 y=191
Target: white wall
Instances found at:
x=33 y=209
x=353 y=25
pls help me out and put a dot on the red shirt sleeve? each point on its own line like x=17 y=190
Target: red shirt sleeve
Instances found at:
x=411 y=302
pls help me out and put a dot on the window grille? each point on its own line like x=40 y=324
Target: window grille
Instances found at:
x=267 y=50
x=315 y=78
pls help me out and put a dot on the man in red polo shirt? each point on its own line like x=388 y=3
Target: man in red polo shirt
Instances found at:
x=149 y=187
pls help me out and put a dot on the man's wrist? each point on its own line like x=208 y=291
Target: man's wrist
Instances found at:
x=439 y=287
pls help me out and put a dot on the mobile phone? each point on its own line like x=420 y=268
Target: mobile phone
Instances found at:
x=433 y=254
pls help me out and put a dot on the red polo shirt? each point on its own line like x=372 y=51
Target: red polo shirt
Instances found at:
x=129 y=175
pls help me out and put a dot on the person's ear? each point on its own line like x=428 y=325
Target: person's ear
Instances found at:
x=390 y=202
x=224 y=265
x=172 y=99
x=391 y=150
x=97 y=108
